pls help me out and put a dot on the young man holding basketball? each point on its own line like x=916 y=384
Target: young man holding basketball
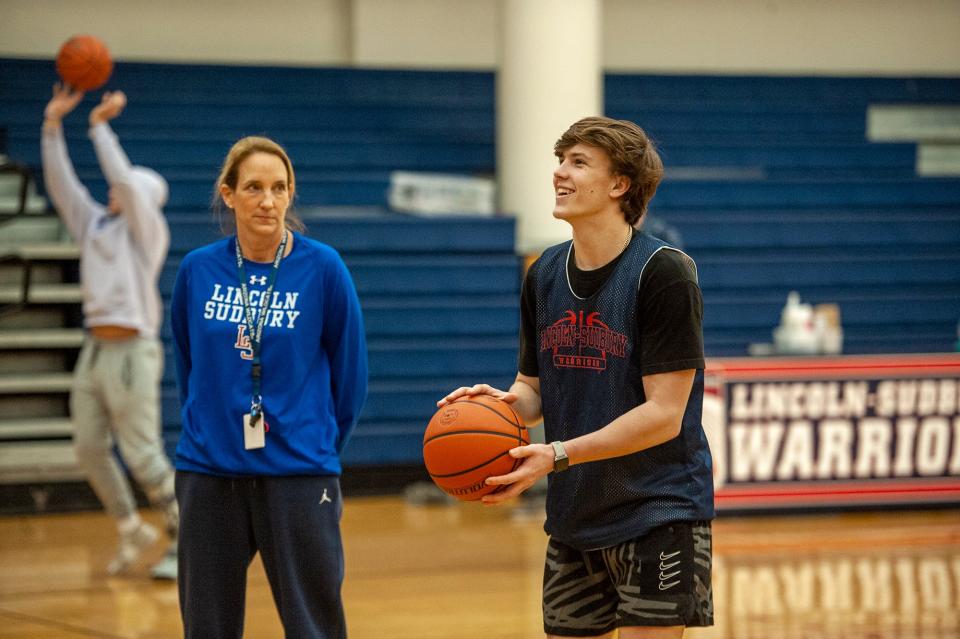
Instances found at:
x=611 y=358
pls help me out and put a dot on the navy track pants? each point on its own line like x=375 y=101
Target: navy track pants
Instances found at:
x=294 y=522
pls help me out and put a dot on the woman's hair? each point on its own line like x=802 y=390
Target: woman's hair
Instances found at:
x=632 y=154
x=239 y=152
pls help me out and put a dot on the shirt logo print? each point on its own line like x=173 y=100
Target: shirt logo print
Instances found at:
x=580 y=340
x=227 y=304
x=243 y=342
x=261 y=280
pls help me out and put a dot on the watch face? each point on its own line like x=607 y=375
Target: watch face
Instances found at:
x=560 y=460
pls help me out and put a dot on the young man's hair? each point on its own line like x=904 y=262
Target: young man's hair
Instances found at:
x=632 y=154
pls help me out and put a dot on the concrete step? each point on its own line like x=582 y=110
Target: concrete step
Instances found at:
x=11 y=183
x=45 y=461
x=36 y=204
x=34 y=229
x=43 y=294
x=41 y=251
x=50 y=360
x=36 y=428
x=36 y=383
x=12 y=273
x=40 y=339
x=36 y=317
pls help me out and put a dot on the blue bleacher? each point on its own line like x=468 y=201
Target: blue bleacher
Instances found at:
x=770 y=181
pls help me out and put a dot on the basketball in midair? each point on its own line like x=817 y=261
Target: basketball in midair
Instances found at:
x=84 y=63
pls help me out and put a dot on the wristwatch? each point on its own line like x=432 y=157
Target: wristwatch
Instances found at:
x=560 y=461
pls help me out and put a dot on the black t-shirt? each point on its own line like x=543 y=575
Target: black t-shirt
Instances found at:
x=669 y=308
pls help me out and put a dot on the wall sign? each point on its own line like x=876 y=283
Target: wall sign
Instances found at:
x=864 y=430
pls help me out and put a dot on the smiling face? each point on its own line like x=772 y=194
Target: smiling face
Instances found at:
x=261 y=197
x=584 y=184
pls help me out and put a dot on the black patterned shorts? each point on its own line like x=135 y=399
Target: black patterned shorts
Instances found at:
x=660 y=579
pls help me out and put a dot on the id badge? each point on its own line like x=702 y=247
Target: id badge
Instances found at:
x=253 y=434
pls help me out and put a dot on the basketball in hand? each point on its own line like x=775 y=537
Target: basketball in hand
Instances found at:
x=468 y=440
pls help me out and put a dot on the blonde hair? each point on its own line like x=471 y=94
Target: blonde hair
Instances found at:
x=229 y=174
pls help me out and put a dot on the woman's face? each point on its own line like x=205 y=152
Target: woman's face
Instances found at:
x=262 y=196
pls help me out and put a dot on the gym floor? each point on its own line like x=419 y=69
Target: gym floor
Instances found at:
x=465 y=571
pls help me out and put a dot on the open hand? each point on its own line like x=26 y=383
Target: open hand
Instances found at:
x=478 y=389
x=65 y=99
x=111 y=104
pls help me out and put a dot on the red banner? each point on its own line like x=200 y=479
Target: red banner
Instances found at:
x=843 y=431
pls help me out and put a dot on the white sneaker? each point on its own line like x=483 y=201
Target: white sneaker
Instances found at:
x=166 y=568
x=131 y=547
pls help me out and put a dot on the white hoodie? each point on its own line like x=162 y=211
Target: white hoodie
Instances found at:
x=120 y=255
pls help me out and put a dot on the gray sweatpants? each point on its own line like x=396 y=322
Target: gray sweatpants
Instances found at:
x=116 y=399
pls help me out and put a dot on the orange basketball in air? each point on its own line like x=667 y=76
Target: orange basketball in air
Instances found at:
x=468 y=440
x=84 y=63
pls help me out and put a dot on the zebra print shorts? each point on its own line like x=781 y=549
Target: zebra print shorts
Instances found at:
x=659 y=579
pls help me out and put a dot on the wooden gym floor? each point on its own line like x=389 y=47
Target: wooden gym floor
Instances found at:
x=469 y=572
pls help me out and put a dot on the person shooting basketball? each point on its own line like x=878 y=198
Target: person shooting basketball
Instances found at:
x=116 y=388
x=611 y=358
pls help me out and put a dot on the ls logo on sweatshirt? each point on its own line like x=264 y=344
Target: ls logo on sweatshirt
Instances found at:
x=243 y=342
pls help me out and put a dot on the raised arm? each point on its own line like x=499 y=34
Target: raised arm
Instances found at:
x=113 y=161
x=69 y=196
x=140 y=193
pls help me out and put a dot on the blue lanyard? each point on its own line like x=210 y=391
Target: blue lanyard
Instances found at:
x=256 y=331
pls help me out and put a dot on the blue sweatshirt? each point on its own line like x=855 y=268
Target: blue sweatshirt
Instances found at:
x=313 y=358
